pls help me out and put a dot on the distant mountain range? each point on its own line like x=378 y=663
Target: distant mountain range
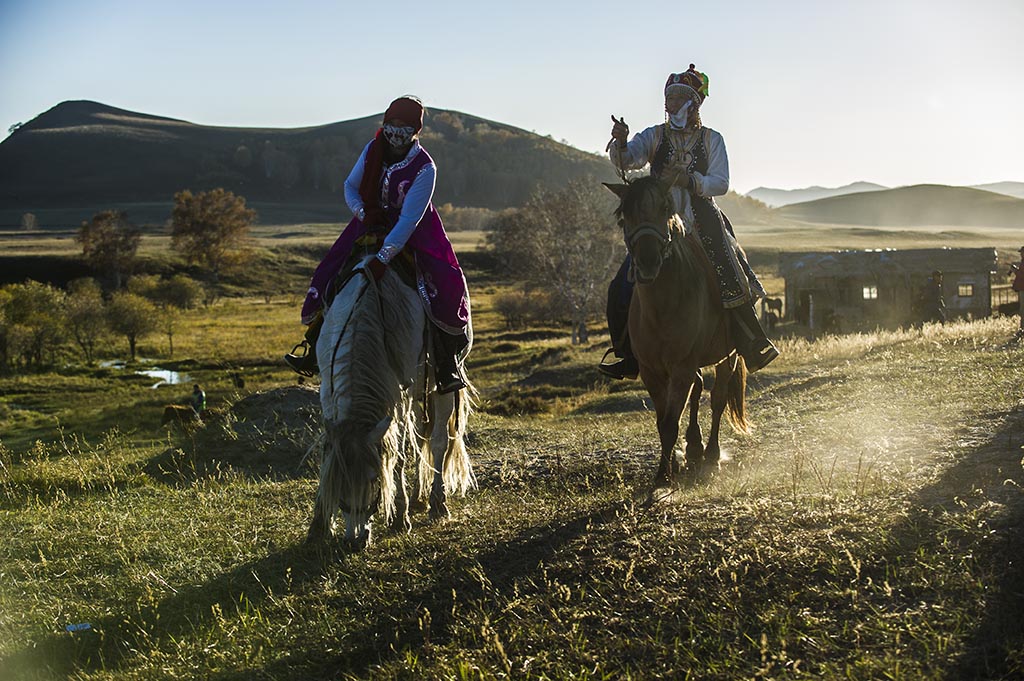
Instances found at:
x=919 y=205
x=83 y=156
x=783 y=197
x=1015 y=189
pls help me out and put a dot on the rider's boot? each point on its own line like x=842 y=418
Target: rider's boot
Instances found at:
x=620 y=292
x=750 y=339
x=448 y=370
x=304 y=363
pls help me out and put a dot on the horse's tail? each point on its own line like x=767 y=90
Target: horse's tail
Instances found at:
x=458 y=469
x=736 y=400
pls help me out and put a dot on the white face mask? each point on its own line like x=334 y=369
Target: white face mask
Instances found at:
x=398 y=136
x=678 y=119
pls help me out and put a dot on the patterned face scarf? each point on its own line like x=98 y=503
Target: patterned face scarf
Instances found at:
x=398 y=136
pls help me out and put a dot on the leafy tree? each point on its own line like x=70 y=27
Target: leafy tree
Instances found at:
x=109 y=244
x=171 y=297
x=132 y=316
x=210 y=228
x=6 y=325
x=564 y=241
x=34 y=324
x=181 y=291
x=85 y=316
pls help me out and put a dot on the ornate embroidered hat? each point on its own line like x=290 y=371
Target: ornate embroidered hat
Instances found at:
x=692 y=80
x=408 y=109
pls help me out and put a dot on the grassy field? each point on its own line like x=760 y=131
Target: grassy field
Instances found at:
x=869 y=527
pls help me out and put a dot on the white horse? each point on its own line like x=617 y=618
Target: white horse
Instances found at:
x=379 y=405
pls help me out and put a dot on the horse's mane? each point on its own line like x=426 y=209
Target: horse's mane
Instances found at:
x=367 y=366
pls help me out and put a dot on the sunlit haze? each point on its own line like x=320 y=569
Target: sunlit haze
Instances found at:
x=806 y=93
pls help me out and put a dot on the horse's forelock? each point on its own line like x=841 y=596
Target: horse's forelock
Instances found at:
x=645 y=195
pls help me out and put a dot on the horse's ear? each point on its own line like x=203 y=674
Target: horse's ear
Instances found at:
x=376 y=434
x=618 y=189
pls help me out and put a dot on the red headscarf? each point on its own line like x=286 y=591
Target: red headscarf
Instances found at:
x=408 y=110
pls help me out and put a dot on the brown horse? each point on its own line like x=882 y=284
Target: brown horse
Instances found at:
x=676 y=326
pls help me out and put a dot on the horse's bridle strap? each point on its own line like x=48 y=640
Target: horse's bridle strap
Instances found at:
x=649 y=229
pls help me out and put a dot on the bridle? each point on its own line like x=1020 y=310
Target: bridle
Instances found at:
x=662 y=233
x=664 y=237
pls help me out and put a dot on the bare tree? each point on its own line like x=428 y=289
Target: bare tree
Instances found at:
x=210 y=228
x=28 y=222
x=109 y=244
x=564 y=241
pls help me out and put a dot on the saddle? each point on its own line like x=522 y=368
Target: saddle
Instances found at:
x=403 y=264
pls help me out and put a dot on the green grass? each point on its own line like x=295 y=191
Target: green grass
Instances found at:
x=869 y=527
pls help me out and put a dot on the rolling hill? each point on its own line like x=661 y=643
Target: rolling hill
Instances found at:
x=918 y=205
x=1015 y=189
x=83 y=156
x=783 y=197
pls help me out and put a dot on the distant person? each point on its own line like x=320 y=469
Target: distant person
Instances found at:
x=197 y=400
x=1017 y=271
x=692 y=159
x=933 y=304
x=389 y=192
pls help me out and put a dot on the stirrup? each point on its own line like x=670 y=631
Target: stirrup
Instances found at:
x=304 y=364
x=625 y=368
x=760 y=358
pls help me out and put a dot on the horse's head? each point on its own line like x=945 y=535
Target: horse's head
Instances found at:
x=361 y=470
x=647 y=216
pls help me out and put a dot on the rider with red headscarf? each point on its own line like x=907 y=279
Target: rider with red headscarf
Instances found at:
x=389 y=192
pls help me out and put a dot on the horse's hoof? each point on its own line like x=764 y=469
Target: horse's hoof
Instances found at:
x=316 y=536
x=439 y=512
x=401 y=524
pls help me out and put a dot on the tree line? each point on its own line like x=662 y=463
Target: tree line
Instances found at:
x=40 y=323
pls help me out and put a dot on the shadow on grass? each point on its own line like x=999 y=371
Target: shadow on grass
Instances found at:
x=465 y=580
x=114 y=641
x=988 y=474
x=995 y=650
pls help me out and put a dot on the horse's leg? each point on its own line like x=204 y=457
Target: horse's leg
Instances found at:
x=440 y=446
x=421 y=446
x=400 y=520
x=328 y=495
x=719 y=399
x=669 y=400
x=694 y=444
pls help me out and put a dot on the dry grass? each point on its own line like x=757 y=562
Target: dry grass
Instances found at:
x=869 y=527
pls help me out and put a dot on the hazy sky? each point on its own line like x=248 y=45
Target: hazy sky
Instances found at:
x=805 y=92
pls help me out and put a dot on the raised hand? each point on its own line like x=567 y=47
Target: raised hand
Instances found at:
x=620 y=131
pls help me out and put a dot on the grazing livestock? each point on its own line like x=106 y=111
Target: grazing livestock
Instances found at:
x=181 y=416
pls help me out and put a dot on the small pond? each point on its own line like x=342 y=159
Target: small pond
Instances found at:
x=162 y=376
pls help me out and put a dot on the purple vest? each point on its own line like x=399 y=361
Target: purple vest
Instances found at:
x=440 y=280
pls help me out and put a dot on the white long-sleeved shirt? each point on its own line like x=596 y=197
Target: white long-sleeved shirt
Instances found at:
x=417 y=198
x=640 y=151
